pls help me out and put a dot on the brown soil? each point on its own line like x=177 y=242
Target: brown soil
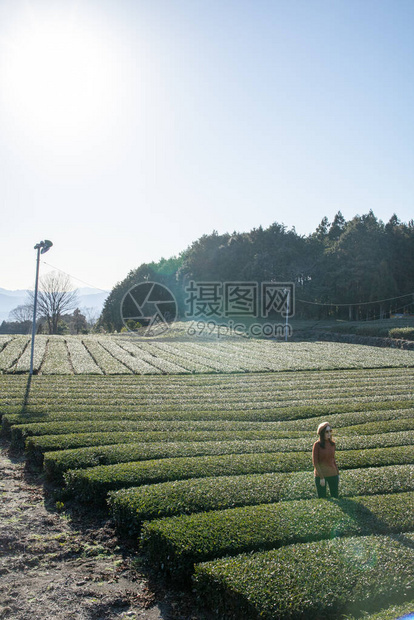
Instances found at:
x=71 y=565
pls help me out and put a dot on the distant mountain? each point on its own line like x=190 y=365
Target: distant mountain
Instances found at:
x=89 y=298
x=10 y=300
x=17 y=293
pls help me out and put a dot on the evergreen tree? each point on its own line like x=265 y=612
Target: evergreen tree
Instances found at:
x=344 y=269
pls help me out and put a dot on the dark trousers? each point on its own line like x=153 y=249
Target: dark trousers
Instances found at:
x=332 y=481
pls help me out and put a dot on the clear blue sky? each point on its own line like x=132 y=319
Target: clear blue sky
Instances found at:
x=129 y=128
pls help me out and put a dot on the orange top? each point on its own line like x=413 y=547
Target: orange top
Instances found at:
x=324 y=460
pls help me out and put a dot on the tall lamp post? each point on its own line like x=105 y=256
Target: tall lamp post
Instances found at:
x=41 y=248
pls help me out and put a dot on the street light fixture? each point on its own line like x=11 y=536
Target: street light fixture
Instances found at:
x=42 y=248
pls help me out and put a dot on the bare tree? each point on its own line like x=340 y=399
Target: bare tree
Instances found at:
x=21 y=314
x=91 y=314
x=55 y=298
x=20 y=320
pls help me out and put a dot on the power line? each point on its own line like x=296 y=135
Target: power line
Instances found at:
x=354 y=303
x=74 y=277
x=304 y=301
x=399 y=310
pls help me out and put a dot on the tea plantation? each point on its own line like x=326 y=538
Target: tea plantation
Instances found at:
x=206 y=461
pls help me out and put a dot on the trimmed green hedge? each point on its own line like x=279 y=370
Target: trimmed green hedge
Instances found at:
x=175 y=544
x=131 y=507
x=288 y=440
x=197 y=393
x=376 y=457
x=20 y=432
x=92 y=484
x=349 y=575
x=23 y=425
x=121 y=451
x=404 y=333
x=74 y=423
x=56 y=463
x=154 y=421
x=36 y=446
x=405 y=422
x=46 y=443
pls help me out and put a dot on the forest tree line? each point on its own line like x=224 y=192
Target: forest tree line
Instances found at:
x=356 y=269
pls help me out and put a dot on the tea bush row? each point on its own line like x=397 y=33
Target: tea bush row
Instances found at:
x=97 y=392
x=36 y=446
x=79 y=423
x=57 y=462
x=277 y=356
x=132 y=506
x=257 y=387
x=324 y=579
x=213 y=403
x=57 y=360
x=282 y=441
x=11 y=352
x=175 y=544
x=92 y=484
x=186 y=357
x=299 y=381
x=406 y=333
x=21 y=426
x=76 y=422
x=177 y=454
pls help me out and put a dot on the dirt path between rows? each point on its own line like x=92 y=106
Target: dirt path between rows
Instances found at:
x=68 y=565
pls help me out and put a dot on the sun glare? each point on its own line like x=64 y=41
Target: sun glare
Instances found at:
x=59 y=77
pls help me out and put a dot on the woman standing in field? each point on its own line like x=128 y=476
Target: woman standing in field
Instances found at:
x=323 y=458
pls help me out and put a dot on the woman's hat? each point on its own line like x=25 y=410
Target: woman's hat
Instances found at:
x=322 y=426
